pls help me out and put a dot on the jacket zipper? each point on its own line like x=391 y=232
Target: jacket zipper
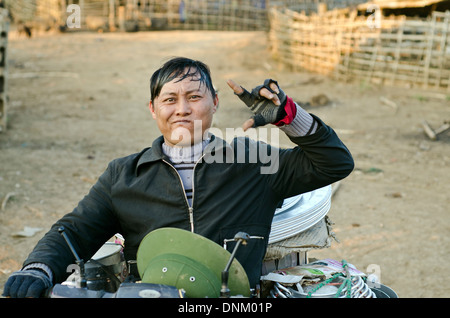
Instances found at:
x=190 y=208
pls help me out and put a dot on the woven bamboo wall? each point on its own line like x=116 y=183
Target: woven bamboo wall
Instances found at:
x=131 y=15
x=412 y=52
x=337 y=42
x=198 y=14
x=226 y=15
x=342 y=44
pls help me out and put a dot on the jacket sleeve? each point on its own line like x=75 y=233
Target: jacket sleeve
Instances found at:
x=318 y=160
x=88 y=226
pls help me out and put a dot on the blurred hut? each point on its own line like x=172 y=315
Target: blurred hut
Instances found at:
x=33 y=15
x=410 y=8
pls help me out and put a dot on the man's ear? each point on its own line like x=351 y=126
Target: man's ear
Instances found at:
x=152 y=110
x=216 y=103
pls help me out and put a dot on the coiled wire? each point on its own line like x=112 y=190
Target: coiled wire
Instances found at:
x=359 y=289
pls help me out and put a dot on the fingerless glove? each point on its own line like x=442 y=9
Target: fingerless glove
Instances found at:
x=265 y=111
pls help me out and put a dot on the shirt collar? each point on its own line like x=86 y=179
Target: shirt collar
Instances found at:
x=155 y=152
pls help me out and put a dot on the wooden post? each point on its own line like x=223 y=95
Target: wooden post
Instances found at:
x=63 y=13
x=112 y=15
x=444 y=45
x=398 y=48
x=121 y=15
x=321 y=8
x=3 y=68
x=82 y=13
x=429 y=51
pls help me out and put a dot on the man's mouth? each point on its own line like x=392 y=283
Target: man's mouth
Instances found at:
x=181 y=121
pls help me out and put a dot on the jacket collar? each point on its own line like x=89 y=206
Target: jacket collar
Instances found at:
x=155 y=152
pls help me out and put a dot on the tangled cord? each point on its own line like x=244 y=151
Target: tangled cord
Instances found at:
x=349 y=287
x=347 y=282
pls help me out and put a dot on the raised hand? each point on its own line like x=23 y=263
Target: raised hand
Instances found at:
x=266 y=101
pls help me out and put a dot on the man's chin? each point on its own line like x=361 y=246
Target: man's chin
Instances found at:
x=182 y=137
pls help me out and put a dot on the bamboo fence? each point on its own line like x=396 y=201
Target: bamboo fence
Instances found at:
x=131 y=15
x=234 y=15
x=340 y=43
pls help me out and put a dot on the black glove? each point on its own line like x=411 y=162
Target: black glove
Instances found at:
x=27 y=283
x=266 y=112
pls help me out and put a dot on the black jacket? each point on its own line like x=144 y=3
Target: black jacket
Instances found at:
x=142 y=192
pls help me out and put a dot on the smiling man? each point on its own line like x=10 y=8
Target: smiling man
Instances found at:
x=181 y=95
x=174 y=183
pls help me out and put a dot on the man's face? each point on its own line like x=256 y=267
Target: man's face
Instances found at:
x=178 y=105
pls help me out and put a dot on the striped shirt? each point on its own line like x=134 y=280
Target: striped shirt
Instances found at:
x=184 y=160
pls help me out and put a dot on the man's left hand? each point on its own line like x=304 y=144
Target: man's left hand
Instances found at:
x=266 y=101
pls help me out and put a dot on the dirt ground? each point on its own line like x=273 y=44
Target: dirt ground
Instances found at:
x=79 y=100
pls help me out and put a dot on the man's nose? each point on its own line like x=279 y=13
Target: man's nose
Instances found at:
x=183 y=107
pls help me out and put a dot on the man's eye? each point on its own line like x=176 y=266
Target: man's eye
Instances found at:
x=195 y=97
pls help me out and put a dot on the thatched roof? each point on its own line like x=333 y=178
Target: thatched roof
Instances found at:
x=399 y=4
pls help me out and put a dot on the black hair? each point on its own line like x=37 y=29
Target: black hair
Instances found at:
x=180 y=67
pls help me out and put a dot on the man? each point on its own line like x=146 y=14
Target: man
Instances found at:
x=193 y=180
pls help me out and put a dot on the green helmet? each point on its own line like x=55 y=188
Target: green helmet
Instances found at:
x=188 y=261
